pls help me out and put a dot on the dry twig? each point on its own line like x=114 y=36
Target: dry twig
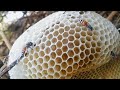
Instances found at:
x=4 y=38
x=103 y=12
x=112 y=14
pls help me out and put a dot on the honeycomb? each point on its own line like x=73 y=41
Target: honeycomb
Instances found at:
x=110 y=70
x=64 y=47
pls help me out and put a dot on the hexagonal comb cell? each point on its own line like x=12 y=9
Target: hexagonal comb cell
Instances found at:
x=66 y=47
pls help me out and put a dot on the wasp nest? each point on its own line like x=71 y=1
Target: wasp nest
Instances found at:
x=65 y=47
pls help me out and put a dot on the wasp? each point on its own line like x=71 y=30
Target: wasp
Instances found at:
x=86 y=24
x=25 y=49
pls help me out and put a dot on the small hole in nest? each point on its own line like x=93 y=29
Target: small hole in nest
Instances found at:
x=71 y=32
x=82 y=40
x=59 y=44
x=86 y=60
x=82 y=47
x=92 y=50
x=53 y=47
x=81 y=62
x=42 y=53
x=81 y=12
x=58 y=60
x=75 y=66
x=77 y=35
x=55 y=33
x=64 y=56
x=70 y=45
x=67 y=28
x=83 y=33
x=76 y=58
x=69 y=69
x=47 y=50
x=59 y=37
x=54 y=40
x=40 y=60
x=59 y=52
x=56 y=75
x=46 y=58
x=57 y=67
x=91 y=57
x=52 y=63
x=76 y=50
x=76 y=42
x=71 y=38
x=50 y=71
x=53 y=55
x=82 y=55
x=45 y=65
x=70 y=61
x=39 y=68
x=63 y=72
x=64 y=48
x=65 y=34
x=88 y=45
x=64 y=41
x=87 y=52
x=64 y=65
x=70 y=53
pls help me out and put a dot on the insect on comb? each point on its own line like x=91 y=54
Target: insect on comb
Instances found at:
x=4 y=69
x=86 y=24
x=29 y=44
x=25 y=49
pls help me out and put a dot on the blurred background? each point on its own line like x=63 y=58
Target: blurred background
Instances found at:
x=14 y=23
